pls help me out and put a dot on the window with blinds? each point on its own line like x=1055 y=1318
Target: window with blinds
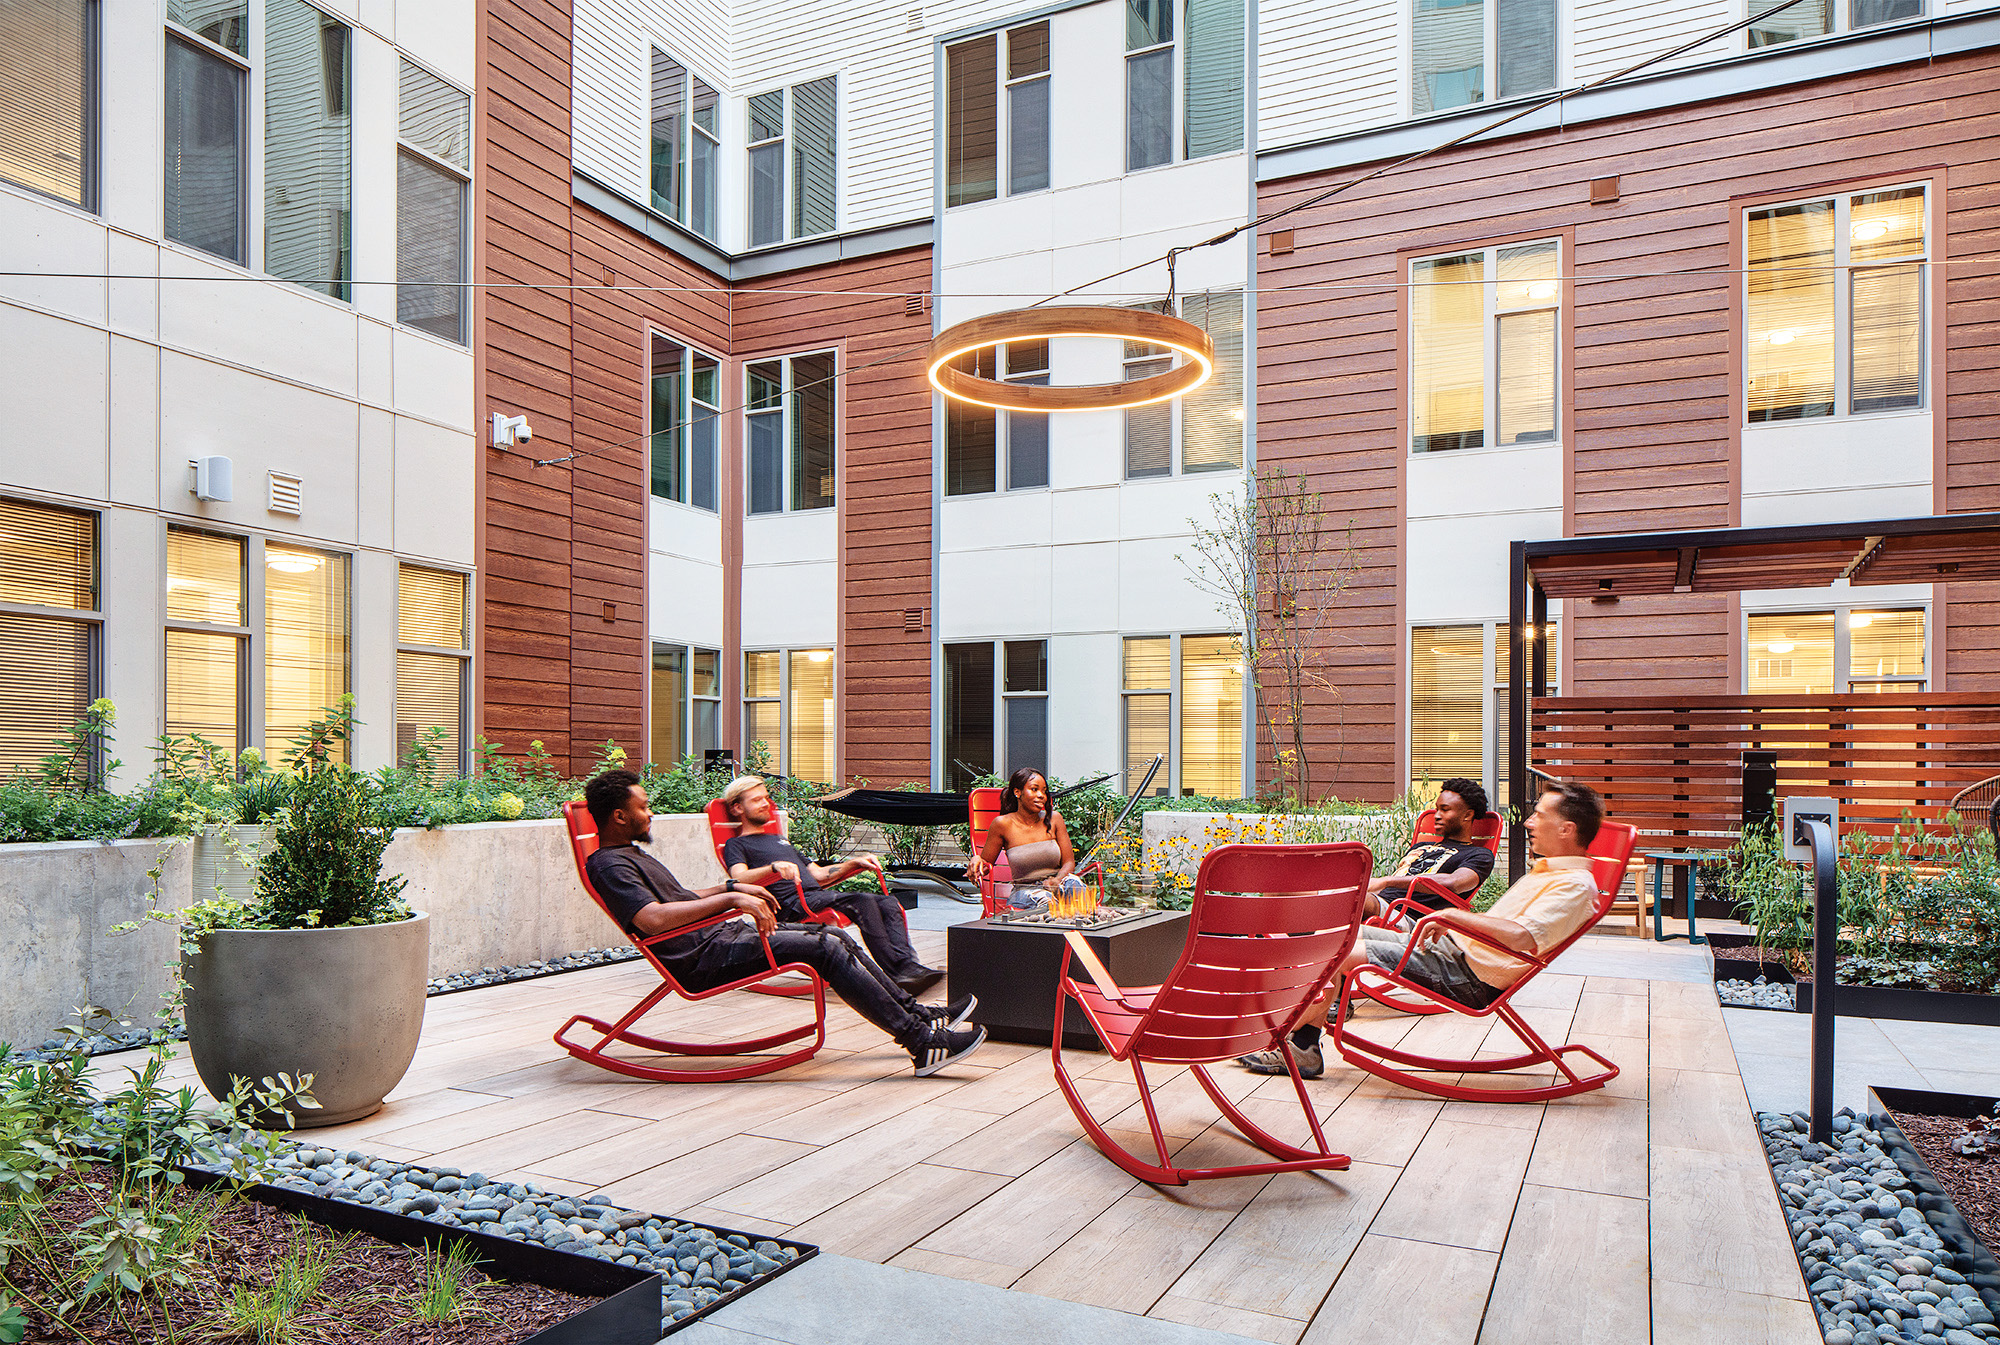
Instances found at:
x=1213 y=84
x=47 y=141
x=1149 y=710
x=670 y=705
x=207 y=638
x=305 y=641
x=763 y=705
x=1024 y=694
x=793 y=426
x=1834 y=302
x=1484 y=363
x=433 y=658
x=685 y=135
x=48 y=658
x=1202 y=431
x=308 y=148
x=810 y=736
x=1456 y=43
x=1447 y=703
x=434 y=125
x=207 y=195
x=968 y=713
x=1834 y=653
x=1211 y=716
x=975 y=88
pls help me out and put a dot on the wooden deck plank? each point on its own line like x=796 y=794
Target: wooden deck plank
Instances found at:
x=1023 y=1222
x=1127 y=1256
x=1692 y=1043
x=1459 y=1188
x=1234 y=1321
x=1604 y=1014
x=727 y=1115
x=833 y=1173
x=1716 y=1222
x=691 y=1179
x=958 y=1267
x=892 y=1216
x=532 y=1145
x=1585 y=1251
x=1698 y=1109
x=1434 y=1295
x=1592 y=1142
x=1688 y=1315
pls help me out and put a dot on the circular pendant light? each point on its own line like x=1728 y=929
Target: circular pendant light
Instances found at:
x=1044 y=324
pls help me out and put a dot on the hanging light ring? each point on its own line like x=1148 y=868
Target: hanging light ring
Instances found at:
x=1044 y=324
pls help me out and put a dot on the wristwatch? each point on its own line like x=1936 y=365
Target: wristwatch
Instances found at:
x=728 y=884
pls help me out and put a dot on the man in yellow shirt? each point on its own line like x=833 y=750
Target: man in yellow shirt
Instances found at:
x=1553 y=900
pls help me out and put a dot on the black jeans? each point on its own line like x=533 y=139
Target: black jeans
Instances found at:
x=734 y=952
x=879 y=917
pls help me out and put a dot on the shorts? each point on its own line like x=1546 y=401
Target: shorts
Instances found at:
x=1441 y=966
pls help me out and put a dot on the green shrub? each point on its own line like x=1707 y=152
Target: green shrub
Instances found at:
x=325 y=862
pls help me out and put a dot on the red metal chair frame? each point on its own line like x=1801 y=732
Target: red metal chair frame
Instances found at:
x=982 y=805
x=583 y=840
x=721 y=829
x=1609 y=851
x=1269 y=926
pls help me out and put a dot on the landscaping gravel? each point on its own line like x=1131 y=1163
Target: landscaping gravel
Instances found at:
x=1876 y=1270
x=1760 y=992
x=103 y=1043
x=698 y=1264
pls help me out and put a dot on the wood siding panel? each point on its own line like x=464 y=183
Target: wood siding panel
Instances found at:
x=1651 y=369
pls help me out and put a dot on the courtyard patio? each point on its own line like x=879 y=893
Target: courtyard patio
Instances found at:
x=1642 y=1211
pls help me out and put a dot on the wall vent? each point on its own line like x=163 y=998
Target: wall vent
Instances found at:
x=1281 y=242
x=916 y=21
x=1603 y=190
x=913 y=621
x=285 y=494
x=915 y=304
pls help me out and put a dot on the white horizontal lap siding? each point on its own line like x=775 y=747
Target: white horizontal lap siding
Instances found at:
x=1325 y=69
x=1612 y=34
x=611 y=97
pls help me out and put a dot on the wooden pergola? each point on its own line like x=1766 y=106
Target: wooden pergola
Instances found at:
x=1690 y=788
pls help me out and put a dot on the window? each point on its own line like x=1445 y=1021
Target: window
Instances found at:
x=308 y=148
x=1019 y=670
x=1458 y=704
x=687 y=386
x=49 y=625
x=980 y=440
x=1798 y=653
x=686 y=703
x=433 y=657
x=791 y=415
x=1455 y=42
x=1483 y=360
x=305 y=640
x=48 y=98
x=1817 y=18
x=1211 y=108
x=797 y=191
x=208 y=79
x=434 y=126
x=208 y=637
x=978 y=140
x=1183 y=699
x=1834 y=298
x=788 y=706
x=1204 y=429
x=686 y=144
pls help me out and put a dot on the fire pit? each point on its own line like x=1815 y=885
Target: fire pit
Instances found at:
x=1010 y=961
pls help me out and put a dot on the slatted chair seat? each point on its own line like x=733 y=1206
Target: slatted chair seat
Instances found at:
x=1610 y=851
x=583 y=841
x=1267 y=930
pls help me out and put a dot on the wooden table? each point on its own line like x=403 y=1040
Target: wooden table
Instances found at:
x=1012 y=967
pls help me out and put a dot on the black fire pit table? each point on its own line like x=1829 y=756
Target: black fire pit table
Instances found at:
x=1011 y=965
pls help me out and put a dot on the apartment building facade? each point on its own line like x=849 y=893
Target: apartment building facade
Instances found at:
x=1725 y=290
x=236 y=371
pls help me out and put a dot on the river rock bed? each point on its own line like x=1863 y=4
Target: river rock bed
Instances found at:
x=698 y=1264
x=1874 y=1267
x=1761 y=993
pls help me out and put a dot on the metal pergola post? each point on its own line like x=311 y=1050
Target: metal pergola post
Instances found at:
x=1517 y=709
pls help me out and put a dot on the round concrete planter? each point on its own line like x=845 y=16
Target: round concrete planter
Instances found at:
x=343 y=1005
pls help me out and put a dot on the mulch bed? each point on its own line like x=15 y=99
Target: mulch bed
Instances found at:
x=1972 y=1183
x=370 y=1294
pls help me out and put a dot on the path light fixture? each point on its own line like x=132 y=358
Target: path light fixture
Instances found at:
x=1044 y=324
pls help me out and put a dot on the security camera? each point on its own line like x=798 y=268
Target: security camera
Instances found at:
x=523 y=432
x=510 y=430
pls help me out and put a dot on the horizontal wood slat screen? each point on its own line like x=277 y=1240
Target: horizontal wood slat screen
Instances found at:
x=1672 y=766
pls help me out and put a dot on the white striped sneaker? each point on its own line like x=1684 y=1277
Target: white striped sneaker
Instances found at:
x=940 y=1046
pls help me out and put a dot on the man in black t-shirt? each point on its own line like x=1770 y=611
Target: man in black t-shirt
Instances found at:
x=647 y=900
x=759 y=853
x=1454 y=861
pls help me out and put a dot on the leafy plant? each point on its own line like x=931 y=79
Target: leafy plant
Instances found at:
x=325 y=863
x=77 y=762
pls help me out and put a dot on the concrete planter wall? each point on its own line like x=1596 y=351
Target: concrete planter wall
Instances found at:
x=498 y=893
x=345 y=1005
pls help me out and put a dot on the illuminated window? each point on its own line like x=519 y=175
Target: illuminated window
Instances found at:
x=788 y=706
x=1458 y=704
x=48 y=78
x=1183 y=700
x=1799 y=653
x=433 y=659
x=1483 y=358
x=207 y=638
x=1834 y=304
x=686 y=701
x=305 y=641
x=48 y=628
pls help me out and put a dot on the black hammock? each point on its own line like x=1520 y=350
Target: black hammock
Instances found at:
x=905 y=808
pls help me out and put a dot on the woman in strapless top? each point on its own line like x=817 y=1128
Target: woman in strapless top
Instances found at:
x=1036 y=841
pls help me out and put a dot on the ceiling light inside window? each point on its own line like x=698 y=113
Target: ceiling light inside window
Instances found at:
x=819 y=655
x=1868 y=230
x=1542 y=289
x=1859 y=620
x=1784 y=336
x=1780 y=646
x=290 y=563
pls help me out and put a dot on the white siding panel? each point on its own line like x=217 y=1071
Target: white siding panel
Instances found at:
x=611 y=98
x=1610 y=35
x=1325 y=69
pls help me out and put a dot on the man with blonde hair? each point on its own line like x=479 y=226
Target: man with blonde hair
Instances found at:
x=759 y=853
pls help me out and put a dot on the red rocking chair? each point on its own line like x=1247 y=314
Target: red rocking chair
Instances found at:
x=1269 y=926
x=982 y=806
x=1486 y=830
x=583 y=840
x=1608 y=852
x=722 y=828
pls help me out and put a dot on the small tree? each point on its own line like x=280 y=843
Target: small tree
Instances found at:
x=1277 y=566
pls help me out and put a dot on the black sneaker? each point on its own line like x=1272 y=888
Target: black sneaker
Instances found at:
x=952 y=1014
x=940 y=1046
x=918 y=979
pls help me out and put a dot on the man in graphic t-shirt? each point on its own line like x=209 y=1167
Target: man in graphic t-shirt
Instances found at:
x=1454 y=860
